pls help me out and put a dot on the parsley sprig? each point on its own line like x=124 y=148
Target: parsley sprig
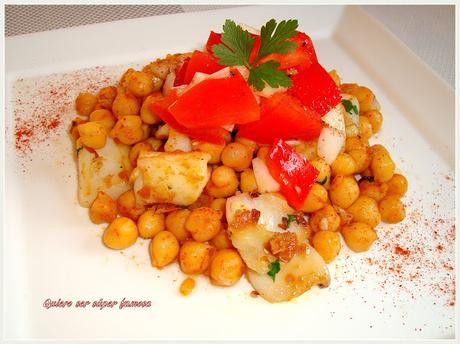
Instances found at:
x=274 y=269
x=237 y=44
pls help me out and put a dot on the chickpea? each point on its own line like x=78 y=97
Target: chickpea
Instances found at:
x=382 y=167
x=343 y=165
x=237 y=156
x=125 y=104
x=143 y=146
x=103 y=209
x=335 y=76
x=316 y=199
x=175 y=223
x=120 y=234
x=378 y=149
x=344 y=191
x=204 y=223
x=146 y=130
x=223 y=176
x=187 y=286
x=214 y=150
x=155 y=143
x=74 y=127
x=222 y=240
x=353 y=143
x=324 y=176
x=345 y=217
x=85 y=103
x=359 y=236
x=365 y=210
x=248 y=143
x=147 y=115
x=140 y=84
x=325 y=219
x=365 y=127
x=227 y=267
x=194 y=257
x=397 y=185
x=375 y=118
x=327 y=244
x=392 y=209
x=248 y=181
x=361 y=158
x=125 y=77
x=221 y=192
x=128 y=130
x=364 y=95
x=106 y=96
x=219 y=204
x=262 y=153
x=92 y=134
x=128 y=207
x=163 y=248
x=104 y=117
x=150 y=224
x=308 y=149
x=373 y=190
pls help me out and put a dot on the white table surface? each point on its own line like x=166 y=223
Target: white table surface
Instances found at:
x=428 y=30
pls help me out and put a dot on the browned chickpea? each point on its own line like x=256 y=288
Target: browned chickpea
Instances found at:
x=128 y=207
x=143 y=146
x=120 y=234
x=324 y=176
x=104 y=117
x=248 y=181
x=140 y=84
x=85 y=103
x=344 y=191
x=262 y=153
x=359 y=236
x=308 y=149
x=237 y=156
x=128 y=130
x=325 y=219
x=382 y=166
x=361 y=158
x=392 y=209
x=164 y=248
x=103 y=209
x=365 y=210
x=316 y=199
x=248 y=143
x=221 y=192
x=92 y=135
x=147 y=115
x=353 y=143
x=150 y=224
x=223 y=176
x=327 y=244
x=364 y=95
x=365 y=127
x=227 y=267
x=106 y=96
x=375 y=118
x=397 y=185
x=222 y=240
x=219 y=204
x=175 y=223
x=204 y=223
x=125 y=104
x=194 y=257
x=214 y=150
x=373 y=190
x=187 y=286
x=343 y=165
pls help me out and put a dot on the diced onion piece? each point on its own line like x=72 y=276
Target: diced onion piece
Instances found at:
x=264 y=180
x=169 y=83
x=244 y=71
x=268 y=91
x=330 y=142
x=249 y=29
x=162 y=132
x=334 y=118
x=354 y=116
x=178 y=142
x=177 y=178
x=295 y=277
x=199 y=77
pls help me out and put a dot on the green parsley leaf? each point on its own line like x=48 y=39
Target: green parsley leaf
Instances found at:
x=274 y=269
x=349 y=107
x=291 y=219
x=236 y=45
x=273 y=37
x=268 y=73
x=78 y=150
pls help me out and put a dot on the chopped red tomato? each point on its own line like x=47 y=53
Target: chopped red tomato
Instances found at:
x=214 y=38
x=304 y=55
x=215 y=135
x=201 y=62
x=217 y=102
x=282 y=116
x=315 y=88
x=295 y=175
x=180 y=73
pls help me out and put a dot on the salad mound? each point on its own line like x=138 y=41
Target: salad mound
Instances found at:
x=244 y=158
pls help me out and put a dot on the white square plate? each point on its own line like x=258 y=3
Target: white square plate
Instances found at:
x=52 y=250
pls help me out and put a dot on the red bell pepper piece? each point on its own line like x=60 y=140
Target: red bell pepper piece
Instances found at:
x=295 y=175
x=214 y=38
x=215 y=135
x=255 y=49
x=201 y=62
x=180 y=73
x=315 y=88
x=304 y=55
x=282 y=116
x=217 y=102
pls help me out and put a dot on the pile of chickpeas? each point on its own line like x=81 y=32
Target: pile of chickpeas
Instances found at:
x=196 y=236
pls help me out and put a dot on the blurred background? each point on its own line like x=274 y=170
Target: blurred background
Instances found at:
x=428 y=30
